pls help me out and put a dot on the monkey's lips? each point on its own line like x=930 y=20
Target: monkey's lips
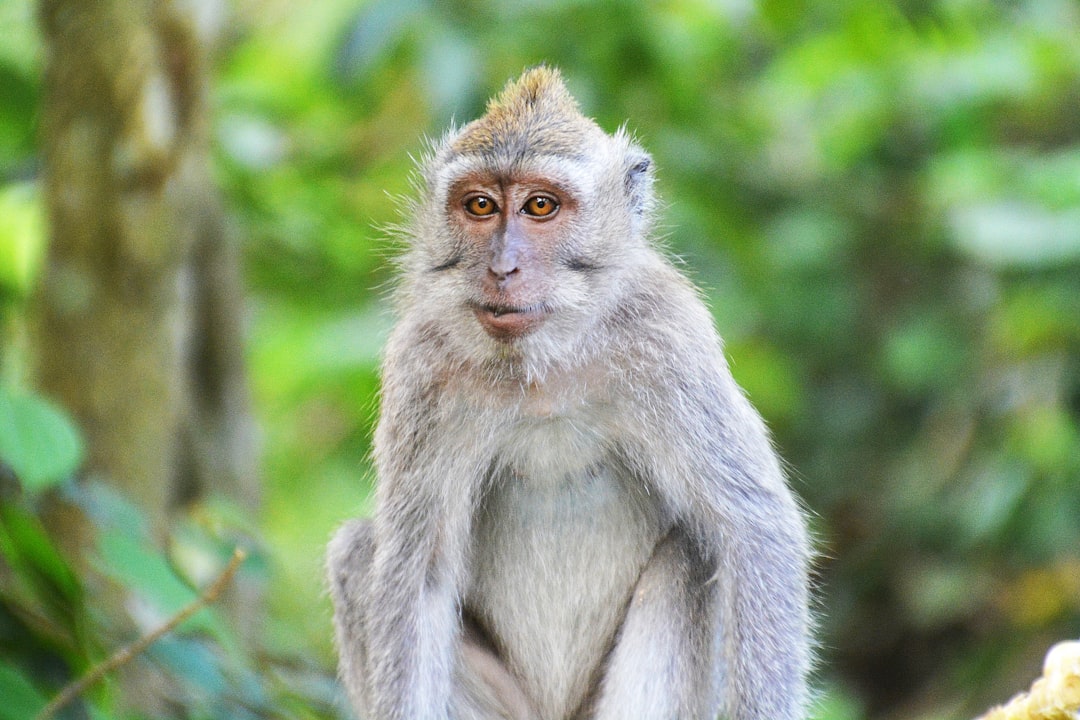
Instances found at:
x=509 y=322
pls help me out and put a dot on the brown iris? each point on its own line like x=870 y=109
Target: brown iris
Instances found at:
x=480 y=205
x=540 y=206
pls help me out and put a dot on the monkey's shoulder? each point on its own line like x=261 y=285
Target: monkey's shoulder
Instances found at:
x=663 y=318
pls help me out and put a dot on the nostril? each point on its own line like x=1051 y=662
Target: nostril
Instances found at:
x=502 y=272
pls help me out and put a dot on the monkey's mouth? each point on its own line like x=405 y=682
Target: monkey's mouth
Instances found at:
x=509 y=322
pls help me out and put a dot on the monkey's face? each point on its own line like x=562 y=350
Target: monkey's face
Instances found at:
x=512 y=233
x=518 y=257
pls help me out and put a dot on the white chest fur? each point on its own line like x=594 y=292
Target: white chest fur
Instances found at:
x=560 y=540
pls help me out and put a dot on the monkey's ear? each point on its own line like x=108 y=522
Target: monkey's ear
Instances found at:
x=639 y=181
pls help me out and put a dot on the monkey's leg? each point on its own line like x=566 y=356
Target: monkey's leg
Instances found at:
x=484 y=689
x=665 y=663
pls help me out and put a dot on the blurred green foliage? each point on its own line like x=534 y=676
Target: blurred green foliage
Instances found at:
x=880 y=197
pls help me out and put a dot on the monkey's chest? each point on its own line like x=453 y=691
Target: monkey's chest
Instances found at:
x=558 y=547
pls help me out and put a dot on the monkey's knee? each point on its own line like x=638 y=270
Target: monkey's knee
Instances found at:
x=348 y=559
x=348 y=562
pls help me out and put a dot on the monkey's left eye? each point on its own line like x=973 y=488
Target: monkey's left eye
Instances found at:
x=480 y=205
x=540 y=206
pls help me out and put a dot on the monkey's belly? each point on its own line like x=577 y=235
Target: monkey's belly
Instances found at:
x=554 y=564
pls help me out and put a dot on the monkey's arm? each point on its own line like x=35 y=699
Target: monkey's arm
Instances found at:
x=741 y=566
x=727 y=590
x=409 y=610
x=398 y=645
x=482 y=686
x=375 y=625
x=661 y=663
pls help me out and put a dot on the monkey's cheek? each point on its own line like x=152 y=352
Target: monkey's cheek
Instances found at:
x=509 y=326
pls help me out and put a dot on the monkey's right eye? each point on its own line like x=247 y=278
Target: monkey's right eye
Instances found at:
x=480 y=205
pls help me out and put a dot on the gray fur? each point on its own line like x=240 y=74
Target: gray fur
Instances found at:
x=588 y=521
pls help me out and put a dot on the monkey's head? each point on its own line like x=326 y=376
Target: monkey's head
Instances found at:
x=528 y=219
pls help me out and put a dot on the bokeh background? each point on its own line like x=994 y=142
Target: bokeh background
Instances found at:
x=880 y=199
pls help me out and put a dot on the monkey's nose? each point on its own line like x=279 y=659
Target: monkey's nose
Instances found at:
x=500 y=273
x=503 y=265
x=506 y=253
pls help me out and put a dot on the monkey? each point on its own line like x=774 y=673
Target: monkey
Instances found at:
x=578 y=513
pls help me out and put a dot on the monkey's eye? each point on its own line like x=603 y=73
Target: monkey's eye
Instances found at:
x=540 y=206
x=480 y=205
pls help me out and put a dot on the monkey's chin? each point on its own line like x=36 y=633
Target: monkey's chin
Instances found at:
x=507 y=324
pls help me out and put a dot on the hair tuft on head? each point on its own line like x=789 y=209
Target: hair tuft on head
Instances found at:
x=540 y=89
x=535 y=112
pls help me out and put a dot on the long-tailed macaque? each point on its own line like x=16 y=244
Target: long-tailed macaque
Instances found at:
x=578 y=515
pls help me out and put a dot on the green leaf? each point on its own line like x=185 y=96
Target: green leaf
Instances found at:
x=22 y=233
x=37 y=440
x=41 y=577
x=135 y=563
x=20 y=699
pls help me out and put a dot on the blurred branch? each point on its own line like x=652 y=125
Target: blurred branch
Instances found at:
x=129 y=652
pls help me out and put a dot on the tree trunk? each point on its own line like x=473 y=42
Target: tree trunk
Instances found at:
x=138 y=329
x=140 y=323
